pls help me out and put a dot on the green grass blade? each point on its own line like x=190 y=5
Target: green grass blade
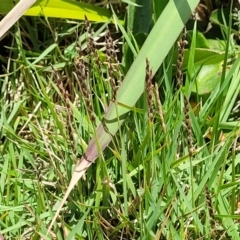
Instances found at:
x=139 y=17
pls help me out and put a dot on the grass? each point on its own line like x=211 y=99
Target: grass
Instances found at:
x=150 y=182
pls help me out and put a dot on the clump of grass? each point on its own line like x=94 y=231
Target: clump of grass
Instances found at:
x=141 y=190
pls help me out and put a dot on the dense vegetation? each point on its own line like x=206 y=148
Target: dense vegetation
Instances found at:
x=151 y=93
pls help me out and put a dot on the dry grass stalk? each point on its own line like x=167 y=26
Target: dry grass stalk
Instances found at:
x=91 y=47
x=181 y=46
x=111 y=61
x=210 y=210
x=188 y=127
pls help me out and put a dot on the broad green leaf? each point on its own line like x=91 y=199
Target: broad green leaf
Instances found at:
x=139 y=17
x=202 y=56
x=201 y=41
x=208 y=78
x=158 y=7
x=218 y=45
x=155 y=49
x=62 y=9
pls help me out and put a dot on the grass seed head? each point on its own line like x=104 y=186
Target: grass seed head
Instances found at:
x=149 y=91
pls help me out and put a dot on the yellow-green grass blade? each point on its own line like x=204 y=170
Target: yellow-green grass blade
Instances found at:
x=62 y=9
x=156 y=47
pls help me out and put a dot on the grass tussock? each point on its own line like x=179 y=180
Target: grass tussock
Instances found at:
x=171 y=171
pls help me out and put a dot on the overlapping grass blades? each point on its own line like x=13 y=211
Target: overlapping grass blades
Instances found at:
x=156 y=47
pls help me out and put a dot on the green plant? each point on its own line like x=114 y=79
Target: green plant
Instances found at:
x=164 y=173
